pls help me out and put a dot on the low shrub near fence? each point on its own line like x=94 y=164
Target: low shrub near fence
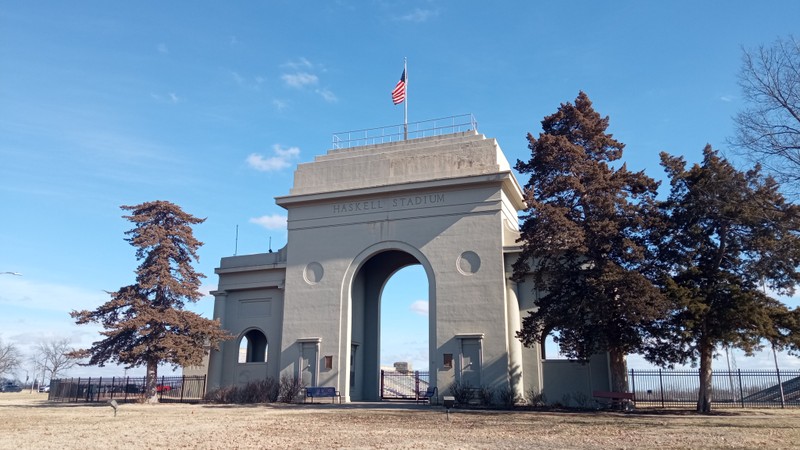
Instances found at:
x=184 y=389
x=262 y=391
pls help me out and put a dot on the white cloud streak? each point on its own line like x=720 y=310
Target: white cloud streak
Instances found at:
x=419 y=15
x=419 y=307
x=298 y=64
x=271 y=222
x=282 y=159
x=35 y=311
x=327 y=95
x=299 y=80
x=302 y=75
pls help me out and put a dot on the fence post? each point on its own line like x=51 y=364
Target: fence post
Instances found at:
x=416 y=383
x=88 y=388
x=161 y=394
x=77 y=389
x=113 y=379
x=99 y=388
x=183 y=385
x=741 y=390
x=780 y=386
x=633 y=383
x=382 y=384
x=127 y=381
x=204 y=387
x=661 y=386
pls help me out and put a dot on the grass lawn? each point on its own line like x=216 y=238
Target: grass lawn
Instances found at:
x=27 y=420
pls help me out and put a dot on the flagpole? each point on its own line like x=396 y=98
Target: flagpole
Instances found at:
x=405 y=103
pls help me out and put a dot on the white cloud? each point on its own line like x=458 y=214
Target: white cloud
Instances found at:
x=419 y=15
x=272 y=222
x=280 y=160
x=25 y=293
x=237 y=78
x=36 y=311
x=299 y=63
x=280 y=105
x=727 y=98
x=170 y=97
x=300 y=79
x=419 y=307
x=250 y=82
x=304 y=75
x=162 y=48
x=329 y=96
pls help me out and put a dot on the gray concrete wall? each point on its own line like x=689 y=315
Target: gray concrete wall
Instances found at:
x=571 y=383
x=249 y=296
x=443 y=201
x=357 y=215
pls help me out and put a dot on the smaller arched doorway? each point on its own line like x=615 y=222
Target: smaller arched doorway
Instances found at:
x=366 y=291
x=253 y=347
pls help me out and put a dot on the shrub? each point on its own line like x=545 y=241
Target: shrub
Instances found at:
x=485 y=395
x=581 y=399
x=508 y=397
x=462 y=392
x=289 y=389
x=224 y=394
x=261 y=391
x=535 y=397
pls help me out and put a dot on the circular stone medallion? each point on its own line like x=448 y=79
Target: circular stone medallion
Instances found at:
x=313 y=273
x=468 y=263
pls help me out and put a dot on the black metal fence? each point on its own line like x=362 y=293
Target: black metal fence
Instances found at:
x=729 y=389
x=403 y=385
x=180 y=389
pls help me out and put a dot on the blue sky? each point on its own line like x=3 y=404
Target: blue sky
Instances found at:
x=211 y=105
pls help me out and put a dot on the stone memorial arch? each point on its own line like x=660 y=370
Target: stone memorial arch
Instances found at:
x=355 y=217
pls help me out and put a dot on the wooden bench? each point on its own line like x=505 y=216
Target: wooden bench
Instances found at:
x=431 y=392
x=620 y=399
x=322 y=391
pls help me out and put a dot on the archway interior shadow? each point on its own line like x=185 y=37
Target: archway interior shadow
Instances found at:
x=368 y=286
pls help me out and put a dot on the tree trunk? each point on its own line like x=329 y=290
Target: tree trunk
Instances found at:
x=150 y=393
x=619 y=371
x=704 y=395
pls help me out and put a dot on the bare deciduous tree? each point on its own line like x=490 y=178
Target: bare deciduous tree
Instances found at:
x=54 y=357
x=768 y=129
x=9 y=358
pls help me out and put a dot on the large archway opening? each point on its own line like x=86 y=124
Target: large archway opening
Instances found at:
x=390 y=324
x=404 y=319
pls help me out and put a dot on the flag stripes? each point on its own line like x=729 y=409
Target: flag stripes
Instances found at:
x=399 y=92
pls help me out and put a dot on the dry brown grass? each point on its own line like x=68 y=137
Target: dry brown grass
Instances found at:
x=28 y=421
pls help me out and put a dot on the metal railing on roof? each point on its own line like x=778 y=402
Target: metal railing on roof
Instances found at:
x=414 y=130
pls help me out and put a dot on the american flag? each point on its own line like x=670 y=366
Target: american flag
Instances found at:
x=399 y=92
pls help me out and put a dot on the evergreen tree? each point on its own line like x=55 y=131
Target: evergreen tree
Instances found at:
x=584 y=241
x=730 y=235
x=145 y=323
